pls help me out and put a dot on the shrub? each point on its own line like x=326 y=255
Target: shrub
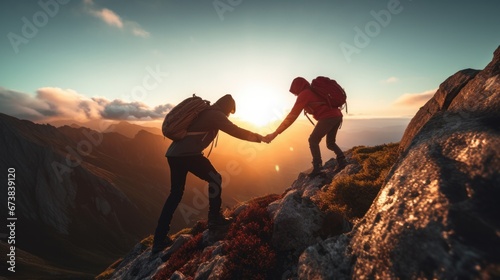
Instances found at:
x=249 y=251
x=353 y=195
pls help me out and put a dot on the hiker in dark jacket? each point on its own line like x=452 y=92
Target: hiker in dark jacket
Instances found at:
x=186 y=155
x=329 y=120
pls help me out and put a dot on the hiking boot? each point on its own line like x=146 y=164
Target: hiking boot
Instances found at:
x=317 y=167
x=161 y=245
x=341 y=164
x=218 y=221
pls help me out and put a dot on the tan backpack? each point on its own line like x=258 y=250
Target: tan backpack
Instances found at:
x=181 y=116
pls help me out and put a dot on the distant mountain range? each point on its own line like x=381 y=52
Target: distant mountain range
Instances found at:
x=130 y=130
x=82 y=196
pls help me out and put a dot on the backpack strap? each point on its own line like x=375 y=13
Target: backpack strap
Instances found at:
x=307 y=116
x=214 y=142
x=195 y=133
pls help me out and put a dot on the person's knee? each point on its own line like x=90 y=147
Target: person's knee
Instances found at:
x=215 y=178
x=313 y=140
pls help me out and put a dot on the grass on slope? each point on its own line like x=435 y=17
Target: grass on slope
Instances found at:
x=352 y=195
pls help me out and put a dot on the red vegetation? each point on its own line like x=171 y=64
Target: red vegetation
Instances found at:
x=249 y=251
x=248 y=247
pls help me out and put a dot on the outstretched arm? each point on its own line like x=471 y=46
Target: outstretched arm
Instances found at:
x=299 y=105
x=224 y=124
x=290 y=118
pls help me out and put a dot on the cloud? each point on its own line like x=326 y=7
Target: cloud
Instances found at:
x=415 y=100
x=24 y=106
x=113 y=19
x=118 y=110
x=69 y=103
x=390 y=80
x=51 y=104
x=140 y=32
x=108 y=17
x=163 y=109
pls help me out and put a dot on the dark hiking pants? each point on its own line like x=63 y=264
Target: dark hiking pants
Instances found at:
x=201 y=167
x=329 y=128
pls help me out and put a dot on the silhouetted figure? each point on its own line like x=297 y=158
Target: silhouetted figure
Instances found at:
x=186 y=155
x=329 y=120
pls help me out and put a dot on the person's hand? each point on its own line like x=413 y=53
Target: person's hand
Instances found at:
x=270 y=137
x=260 y=138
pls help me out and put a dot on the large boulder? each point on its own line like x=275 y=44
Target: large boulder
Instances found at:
x=441 y=100
x=296 y=222
x=437 y=215
x=328 y=259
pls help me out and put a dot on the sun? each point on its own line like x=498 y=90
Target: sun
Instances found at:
x=259 y=105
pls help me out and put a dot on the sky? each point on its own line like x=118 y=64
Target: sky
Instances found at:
x=117 y=59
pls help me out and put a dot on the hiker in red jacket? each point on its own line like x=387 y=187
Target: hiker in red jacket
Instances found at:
x=329 y=120
x=186 y=155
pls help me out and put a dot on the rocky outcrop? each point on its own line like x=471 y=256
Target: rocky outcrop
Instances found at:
x=436 y=217
x=440 y=102
x=297 y=220
x=138 y=263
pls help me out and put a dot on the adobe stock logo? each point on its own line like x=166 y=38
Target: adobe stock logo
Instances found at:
x=372 y=29
x=222 y=7
x=38 y=20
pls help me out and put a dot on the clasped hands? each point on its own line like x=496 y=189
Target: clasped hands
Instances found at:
x=270 y=137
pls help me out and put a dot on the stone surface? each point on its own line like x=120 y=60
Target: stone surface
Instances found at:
x=211 y=269
x=140 y=264
x=213 y=235
x=178 y=276
x=441 y=100
x=326 y=260
x=296 y=221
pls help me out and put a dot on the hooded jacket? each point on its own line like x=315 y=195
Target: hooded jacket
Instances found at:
x=210 y=122
x=310 y=102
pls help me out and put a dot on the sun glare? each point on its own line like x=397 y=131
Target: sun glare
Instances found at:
x=259 y=105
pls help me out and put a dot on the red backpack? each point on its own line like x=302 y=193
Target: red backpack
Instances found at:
x=331 y=91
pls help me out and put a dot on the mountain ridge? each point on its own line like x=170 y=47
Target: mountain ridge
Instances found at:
x=70 y=198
